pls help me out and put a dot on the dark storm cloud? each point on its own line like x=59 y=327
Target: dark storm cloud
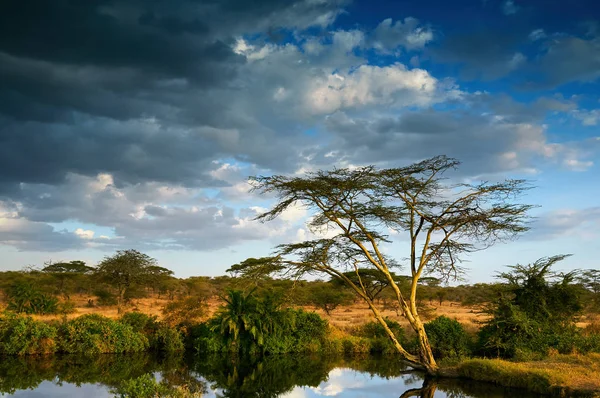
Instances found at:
x=139 y=89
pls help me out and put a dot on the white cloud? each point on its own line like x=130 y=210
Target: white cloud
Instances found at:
x=84 y=233
x=393 y=85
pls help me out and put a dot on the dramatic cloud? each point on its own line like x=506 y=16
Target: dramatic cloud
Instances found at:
x=136 y=123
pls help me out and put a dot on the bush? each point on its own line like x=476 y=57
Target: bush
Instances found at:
x=140 y=322
x=95 y=334
x=25 y=298
x=21 y=335
x=66 y=307
x=105 y=298
x=204 y=340
x=379 y=339
x=448 y=338
x=356 y=345
x=167 y=339
x=184 y=310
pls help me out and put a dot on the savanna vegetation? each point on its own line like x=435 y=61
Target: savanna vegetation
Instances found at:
x=277 y=304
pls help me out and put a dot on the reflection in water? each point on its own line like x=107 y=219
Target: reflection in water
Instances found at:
x=222 y=376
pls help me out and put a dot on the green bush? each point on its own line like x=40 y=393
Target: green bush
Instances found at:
x=167 y=339
x=95 y=334
x=140 y=322
x=105 y=298
x=356 y=345
x=21 y=335
x=25 y=298
x=295 y=331
x=448 y=338
x=380 y=342
x=204 y=340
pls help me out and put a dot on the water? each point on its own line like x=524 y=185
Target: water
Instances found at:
x=282 y=376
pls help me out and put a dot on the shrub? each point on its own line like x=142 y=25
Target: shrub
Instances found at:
x=356 y=345
x=105 y=298
x=374 y=329
x=140 y=322
x=95 y=334
x=167 y=339
x=448 y=338
x=204 y=340
x=184 y=310
x=25 y=298
x=379 y=339
x=21 y=335
x=66 y=307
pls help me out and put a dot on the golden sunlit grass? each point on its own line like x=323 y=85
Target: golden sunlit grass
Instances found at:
x=574 y=374
x=344 y=318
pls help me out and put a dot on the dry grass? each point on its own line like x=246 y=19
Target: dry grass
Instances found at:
x=344 y=318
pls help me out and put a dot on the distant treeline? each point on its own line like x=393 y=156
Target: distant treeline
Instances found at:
x=130 y=275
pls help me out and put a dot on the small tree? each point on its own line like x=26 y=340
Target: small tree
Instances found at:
x=66 y=271
x=537 y=311
x=441 y=221
x=124 y=270
x=328 y=297
x=373 y=280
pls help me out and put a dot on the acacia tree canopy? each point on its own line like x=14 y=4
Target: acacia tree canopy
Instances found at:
x=441 y=220
x=128 y=268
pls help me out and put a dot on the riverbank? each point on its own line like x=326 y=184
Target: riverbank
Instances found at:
x=575 y=375
x=572 y=375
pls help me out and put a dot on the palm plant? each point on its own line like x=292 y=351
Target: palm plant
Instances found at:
x=240 y=320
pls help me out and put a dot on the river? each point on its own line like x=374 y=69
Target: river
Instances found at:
x=221 y=376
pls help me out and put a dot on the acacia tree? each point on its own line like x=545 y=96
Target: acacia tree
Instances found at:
x=65 y=271
x=442 y=221
x=373 y=281
x=126 y=269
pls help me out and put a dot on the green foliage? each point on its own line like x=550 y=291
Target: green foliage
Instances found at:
x=261 y=326
x=240 y=321
x=328 y=296
x=375 y=330
x=448 y=338
x=537 y=314
x=140 y=322
x=95 y=334
x=184 y=311
x=104 y=297
x=21 y=335
x=168 y=340
x=25 y=298
x=380 y=342
x=127 y=270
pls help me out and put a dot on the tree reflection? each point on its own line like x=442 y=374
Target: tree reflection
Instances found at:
x=427 y=390
x=229 y=377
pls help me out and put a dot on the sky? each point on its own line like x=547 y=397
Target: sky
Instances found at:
x=135 y=123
